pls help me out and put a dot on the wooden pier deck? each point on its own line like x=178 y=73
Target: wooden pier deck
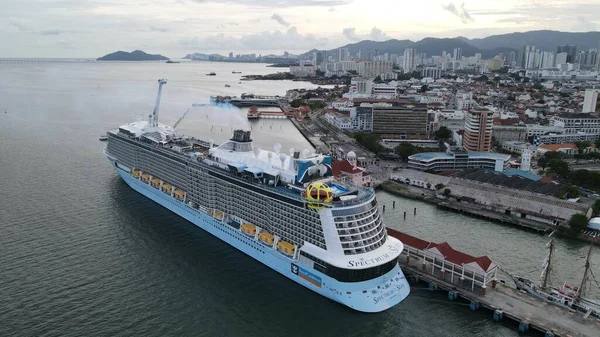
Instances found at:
x=505 y=302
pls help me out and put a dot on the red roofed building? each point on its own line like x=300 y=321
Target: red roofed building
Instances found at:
x=347 y=172
x=443 y=261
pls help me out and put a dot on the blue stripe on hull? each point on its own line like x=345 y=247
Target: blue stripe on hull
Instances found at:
x=370 y=296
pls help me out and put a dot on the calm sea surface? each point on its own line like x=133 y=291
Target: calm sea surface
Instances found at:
x=82 y=254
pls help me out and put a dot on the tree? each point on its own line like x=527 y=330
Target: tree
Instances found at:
x=581 y=146
x=443 y=133
x=559 y=167
x=573 y=192
x=598 y=143
x=447 y=192
x=406 y=150
x=596 y=207
x=378 y=79
x=296 y=103
x=439 y=186
x=424 y=88
x=577 y=223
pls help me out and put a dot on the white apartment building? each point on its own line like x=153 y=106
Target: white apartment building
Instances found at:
x=372 y=69
x=540 y=130
x=575 y=123
x=590 y=101
x=361 y=86
x=303 y=70
x=409 y=62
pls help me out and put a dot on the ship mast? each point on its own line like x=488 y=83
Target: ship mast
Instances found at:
x=154 y=120
x=548 y=263
x=585 y=273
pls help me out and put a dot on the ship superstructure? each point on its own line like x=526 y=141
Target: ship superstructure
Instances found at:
x=283 y=209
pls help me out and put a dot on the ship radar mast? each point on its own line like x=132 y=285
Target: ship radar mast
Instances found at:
x=154 y=120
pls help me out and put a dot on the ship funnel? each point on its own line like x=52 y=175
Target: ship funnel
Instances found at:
x=161 y=82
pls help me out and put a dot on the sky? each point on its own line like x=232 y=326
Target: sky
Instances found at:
x=174 y=28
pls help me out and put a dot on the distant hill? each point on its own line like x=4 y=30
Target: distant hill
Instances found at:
x=136 y=55
x=546 y=40
x=430 y=46
x=489 y=47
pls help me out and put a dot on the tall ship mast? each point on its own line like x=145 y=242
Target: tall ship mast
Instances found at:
x=567 y=296
x=284 y=210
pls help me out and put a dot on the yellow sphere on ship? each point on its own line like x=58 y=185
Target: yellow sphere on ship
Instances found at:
x=318 y=194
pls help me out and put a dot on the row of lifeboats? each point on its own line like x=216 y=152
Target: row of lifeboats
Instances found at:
x=158 y=184
x=268 y=239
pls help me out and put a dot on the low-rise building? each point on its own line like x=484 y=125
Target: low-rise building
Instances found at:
x=504 y=133
x=577 y=122
x=346 y=172
x=565 y=138
x=452 y=161
x=517 y=147
x=338 y=120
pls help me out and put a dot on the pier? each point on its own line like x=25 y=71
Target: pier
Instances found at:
x=473 y=280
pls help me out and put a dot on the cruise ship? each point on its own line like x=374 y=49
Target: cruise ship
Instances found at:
x=282 y=209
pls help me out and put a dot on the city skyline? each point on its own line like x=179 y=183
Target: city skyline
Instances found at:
x=68 y=28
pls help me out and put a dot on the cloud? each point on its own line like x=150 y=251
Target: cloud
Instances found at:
x=21 y=24
x=25 y=26
x=159 y=29
x=378 y=35
x=350 y=34
x=268 y=41
x=584 y=24
x=461 y=12
x=282 y=3
x=280 y=19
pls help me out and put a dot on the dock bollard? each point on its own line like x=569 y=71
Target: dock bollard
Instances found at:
x=474 y=305
x=452 y=295
x=383 y=208
x=394 y=204
x=415 y=211
x=498 y=315
x=404 y=215
x=524 y=325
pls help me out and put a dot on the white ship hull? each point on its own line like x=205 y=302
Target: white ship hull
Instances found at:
x=374 y=295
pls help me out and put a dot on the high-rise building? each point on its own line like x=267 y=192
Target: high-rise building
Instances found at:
x=409 y=62
x=570 y=50
x=230 y=55
x=478 y=130
x=320 y=60
x=372 y=69
x=547 y=60
x=590 y=101
x=524 y=57
x=405 y=122
x=457 y=54
x=561 y=58
x=343 y=54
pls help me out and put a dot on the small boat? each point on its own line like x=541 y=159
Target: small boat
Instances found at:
x=236 y=72
x=239 y=82
x=169 y=61
x=211 y=74
x=249 y=229
x=103 y=138
x=227 y=86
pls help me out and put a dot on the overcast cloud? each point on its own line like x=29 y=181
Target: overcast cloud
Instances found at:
x=92 y=28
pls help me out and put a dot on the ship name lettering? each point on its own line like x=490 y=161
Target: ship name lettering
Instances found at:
x=388 y=293
x=364 y=263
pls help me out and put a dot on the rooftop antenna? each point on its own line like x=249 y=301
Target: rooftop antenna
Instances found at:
x=157 y=104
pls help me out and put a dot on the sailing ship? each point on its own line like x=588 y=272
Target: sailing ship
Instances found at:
x=567 y=296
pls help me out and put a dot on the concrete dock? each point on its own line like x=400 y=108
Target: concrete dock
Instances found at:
x=508 y=303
